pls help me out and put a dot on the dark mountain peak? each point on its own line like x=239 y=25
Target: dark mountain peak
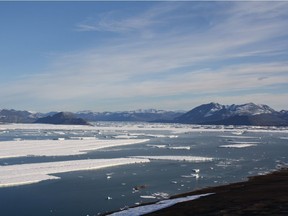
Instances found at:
x=62 y=118
x=204 y=112
x=64 y=115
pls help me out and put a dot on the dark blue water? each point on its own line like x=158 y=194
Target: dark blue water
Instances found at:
x=86 y=192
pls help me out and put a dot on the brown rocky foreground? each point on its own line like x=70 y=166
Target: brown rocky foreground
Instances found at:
x=260 y=195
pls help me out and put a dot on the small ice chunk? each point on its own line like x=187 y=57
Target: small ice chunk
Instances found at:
x=148 y=197
x=191 y=176
x=238 y=145
x=180 y=147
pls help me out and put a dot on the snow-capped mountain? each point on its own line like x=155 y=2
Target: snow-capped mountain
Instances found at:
x=250 y=109
x=203 y=113
x=212 y=113
x=244 y=114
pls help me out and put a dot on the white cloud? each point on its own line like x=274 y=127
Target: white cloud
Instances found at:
x=239 y=47
x=116 y=21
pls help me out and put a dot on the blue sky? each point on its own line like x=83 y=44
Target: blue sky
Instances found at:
x=111 y=56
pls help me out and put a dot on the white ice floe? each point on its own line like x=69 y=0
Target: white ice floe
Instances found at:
x=157 y=146
x=284 y=138
x=9 y=149
x=123 y=136
x=240 y=137
x=193 y=175
x=177 y=158
x=242 y=142
x=244 y=145
x=83 y=138
x=36 y=172
x=148 y=197
x=238 y=132
x=141 y=210
x=171 y=147
x=180 y=147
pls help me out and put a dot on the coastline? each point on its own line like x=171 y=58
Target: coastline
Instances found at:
x=259 y=195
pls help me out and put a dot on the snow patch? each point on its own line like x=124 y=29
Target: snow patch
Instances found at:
x=141 y=210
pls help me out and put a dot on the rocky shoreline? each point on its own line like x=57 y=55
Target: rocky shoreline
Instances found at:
x=260 y=195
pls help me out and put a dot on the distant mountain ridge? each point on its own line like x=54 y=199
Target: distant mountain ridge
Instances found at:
x=140 y=115
x=244 y=114
x=211 y=113
x=16 y=116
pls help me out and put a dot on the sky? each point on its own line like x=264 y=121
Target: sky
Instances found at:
x=116 y=56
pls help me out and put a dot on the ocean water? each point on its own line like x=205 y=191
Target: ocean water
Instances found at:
x=219 y=155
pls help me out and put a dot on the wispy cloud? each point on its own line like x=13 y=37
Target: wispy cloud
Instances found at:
x=237 y=47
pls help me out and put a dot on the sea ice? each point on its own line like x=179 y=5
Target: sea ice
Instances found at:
x=240 y=142
x=36 y=172
x=148 y=197
x=193 y=175
x=180 y=147
x=157 y=146
x=238 y=145
x=177 y=158
x=10 y=149
x=127 y=136
x=240 y=137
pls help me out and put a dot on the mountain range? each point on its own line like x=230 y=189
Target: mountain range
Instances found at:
x=245 y=114
x=147 y=115
x=206 y=114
